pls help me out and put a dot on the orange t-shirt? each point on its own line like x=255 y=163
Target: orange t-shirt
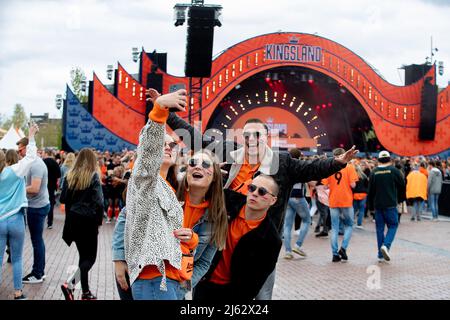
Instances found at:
x=341 y=194
x=238 y=228
x=192 y=214
x=244 y=177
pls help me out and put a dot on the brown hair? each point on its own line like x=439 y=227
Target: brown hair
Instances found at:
x=217 y=213
x=11 y=157
x=255 y=120
x=80 y=176
x=2 y=161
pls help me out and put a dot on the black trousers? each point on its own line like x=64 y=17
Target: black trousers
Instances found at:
x=210 y=292
x=87 y=249
x=52 y=199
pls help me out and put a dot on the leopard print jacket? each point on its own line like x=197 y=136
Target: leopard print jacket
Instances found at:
x=153 y=211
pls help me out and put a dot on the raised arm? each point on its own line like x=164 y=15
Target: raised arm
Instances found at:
x=21 y=168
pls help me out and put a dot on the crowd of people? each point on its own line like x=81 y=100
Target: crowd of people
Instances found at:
x=185 y=220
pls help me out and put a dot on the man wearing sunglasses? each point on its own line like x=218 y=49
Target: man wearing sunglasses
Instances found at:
x=253 y=243
x=244 y=162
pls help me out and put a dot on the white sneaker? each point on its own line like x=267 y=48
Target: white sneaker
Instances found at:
x=299 y=251
x=385 y=252
x=359 y=227
x=289 y=256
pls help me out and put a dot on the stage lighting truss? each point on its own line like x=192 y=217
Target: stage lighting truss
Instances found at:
x=109 y=71
x=307 y=114
x=135 y=54
x=181 y=12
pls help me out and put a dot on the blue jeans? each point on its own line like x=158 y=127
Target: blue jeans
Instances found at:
x=36 y=219
x=359 y=206
x=347 y=220
x=433 y=199
x=418 y=205
x=387 y=217
x=13 y=228
x=296 y=206
x=150 y=290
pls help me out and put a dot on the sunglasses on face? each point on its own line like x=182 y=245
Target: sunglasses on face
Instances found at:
x=256 y=134
x=171 y=145
x=194 y=162
x=261 y=190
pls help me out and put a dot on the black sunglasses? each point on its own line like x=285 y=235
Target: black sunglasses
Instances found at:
x=261 y=190
x=256 y=134
x=194 y=162
x=170 y=144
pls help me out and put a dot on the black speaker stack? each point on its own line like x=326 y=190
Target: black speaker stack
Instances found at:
x=200 y=37
x=428 y=109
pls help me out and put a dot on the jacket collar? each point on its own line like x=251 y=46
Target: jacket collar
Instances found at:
x=267 y=163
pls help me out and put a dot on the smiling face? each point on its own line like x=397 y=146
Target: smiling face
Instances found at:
x=170 y=151
x=255 y=137
x=200 y=171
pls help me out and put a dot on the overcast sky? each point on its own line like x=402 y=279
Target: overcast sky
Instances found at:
x=40 y=41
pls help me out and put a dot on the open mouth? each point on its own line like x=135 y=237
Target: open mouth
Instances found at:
x=197 y=175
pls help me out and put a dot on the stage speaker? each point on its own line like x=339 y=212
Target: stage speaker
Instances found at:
x=200 y=36
x=428 y=109
x=155 y=81
x=415 y=72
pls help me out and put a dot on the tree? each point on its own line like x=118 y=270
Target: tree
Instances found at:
x=78 y=77
x=19 y=119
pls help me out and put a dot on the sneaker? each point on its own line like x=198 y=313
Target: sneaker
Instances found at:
x=385 y=252
x=21 y=297
x=68 y=293
x=381 y=260
x=343 y=254
x=323 y=234
x=299 y=251
x=32 y=279
x=316 y=229
x=108 y=220
x=289 y=256
x=359 y=227
x=412 y=219
x=88 y=296
x=336 y=258
x=49 y=227
x=341 y=233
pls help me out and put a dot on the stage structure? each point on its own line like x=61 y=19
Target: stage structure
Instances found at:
x=315 y=92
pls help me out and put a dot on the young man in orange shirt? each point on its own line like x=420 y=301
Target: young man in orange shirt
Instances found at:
x=341 y=203
x=253 y=243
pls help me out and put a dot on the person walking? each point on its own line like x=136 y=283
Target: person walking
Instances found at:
x=54 y=173
x=416 y=191
x=83 y=198
x=341 y=204
x=360 y=195
x=434 y=189
x=386 y=184
x=38 y=208
x=13 y=202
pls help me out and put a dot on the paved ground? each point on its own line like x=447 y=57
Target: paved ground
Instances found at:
x=420 y=266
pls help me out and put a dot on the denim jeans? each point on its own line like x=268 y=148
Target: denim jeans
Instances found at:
x=324 y=212
x=13 y=228
x=150 y=290
x=347 y=221
x=433 y=199
x=36 y=219
x=265 y=293
x=296 y=206
x=388 y=217
x=417 y=208
x=359 y=206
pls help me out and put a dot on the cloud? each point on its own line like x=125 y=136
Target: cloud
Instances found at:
x=42 y=40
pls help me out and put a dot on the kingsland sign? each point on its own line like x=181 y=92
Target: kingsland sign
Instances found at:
x=293 y=51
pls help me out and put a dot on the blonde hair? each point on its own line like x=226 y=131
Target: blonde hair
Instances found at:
x=80 y=175
x=70 y=160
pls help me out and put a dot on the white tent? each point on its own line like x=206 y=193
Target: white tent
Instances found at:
x=10 y=139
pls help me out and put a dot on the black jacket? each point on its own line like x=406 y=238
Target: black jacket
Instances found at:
x=290 y=171
x=84 y=210
x=255 y=255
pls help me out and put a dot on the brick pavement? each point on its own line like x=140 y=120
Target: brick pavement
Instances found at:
x=420 y=266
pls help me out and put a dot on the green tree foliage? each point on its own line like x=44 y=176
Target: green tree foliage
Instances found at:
x=19 y=119
x=77 y=77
